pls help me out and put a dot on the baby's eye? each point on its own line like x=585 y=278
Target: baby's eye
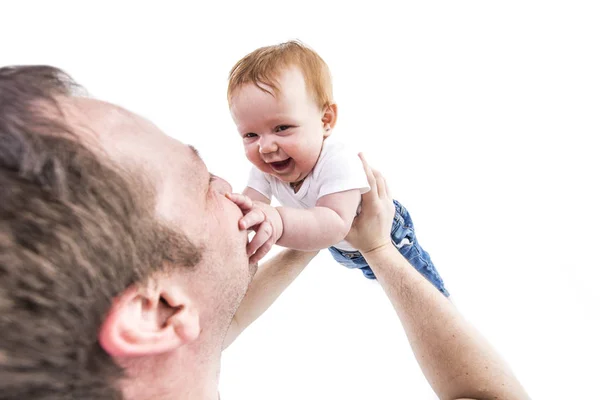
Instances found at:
x=250 y=135
x=281 y=128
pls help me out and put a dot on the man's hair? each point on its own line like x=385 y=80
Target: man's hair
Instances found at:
x=264 y=65
x=73 y=235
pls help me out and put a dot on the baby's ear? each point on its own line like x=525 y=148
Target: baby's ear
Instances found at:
x=329 y=118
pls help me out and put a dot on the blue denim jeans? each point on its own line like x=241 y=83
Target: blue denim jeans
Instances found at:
x=403 y=236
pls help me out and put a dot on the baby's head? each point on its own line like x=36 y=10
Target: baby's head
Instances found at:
x=281 y=100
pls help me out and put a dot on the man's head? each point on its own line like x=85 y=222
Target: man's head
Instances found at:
x=118 y=250
x=281 y=101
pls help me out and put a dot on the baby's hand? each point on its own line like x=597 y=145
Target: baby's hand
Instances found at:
x=261 y=218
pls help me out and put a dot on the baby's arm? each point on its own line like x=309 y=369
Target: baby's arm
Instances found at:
x=322 y=226
x=255 y=195
x=340 y=176
x=302 y=229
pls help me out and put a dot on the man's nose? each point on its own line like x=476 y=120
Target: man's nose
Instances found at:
x=267 y=145
x=221 y=185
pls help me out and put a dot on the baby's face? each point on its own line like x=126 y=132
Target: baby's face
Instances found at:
x=283 y=134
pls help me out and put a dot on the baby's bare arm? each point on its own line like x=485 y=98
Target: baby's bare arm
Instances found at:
x=322 y=226
x=255 y=195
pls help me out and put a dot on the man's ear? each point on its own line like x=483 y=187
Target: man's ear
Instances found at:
x=329 y=118
x=147 y=320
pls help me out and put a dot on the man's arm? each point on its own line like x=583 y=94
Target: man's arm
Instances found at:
x=456 y=359
x=270 y=281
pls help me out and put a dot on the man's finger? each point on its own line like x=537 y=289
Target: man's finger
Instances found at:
x=381 y=184
x=254 y=217
x=387 y=188
x=370 y=178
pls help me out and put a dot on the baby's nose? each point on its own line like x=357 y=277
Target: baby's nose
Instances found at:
x=267 y=146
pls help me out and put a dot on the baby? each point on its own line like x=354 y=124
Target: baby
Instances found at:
x=281 y=100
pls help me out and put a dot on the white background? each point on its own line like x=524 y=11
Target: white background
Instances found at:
x=483 y=116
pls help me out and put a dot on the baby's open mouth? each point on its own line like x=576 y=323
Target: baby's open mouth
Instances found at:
x=280 y=165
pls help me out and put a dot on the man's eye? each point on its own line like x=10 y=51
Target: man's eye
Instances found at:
x=211 y=178
x=250 y=135
x=281 y=128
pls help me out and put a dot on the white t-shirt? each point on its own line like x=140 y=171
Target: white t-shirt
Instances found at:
x=338 y=169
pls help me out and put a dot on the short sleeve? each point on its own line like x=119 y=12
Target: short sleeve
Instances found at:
x=259 y=182
x=341 y=170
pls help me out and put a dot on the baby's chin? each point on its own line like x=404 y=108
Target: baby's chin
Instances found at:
x=287 y=175
x=286 y=179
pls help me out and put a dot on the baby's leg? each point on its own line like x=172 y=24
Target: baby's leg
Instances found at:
x=353 y=260
x=403 y=236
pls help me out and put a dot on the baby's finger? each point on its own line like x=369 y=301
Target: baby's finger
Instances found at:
x=370 y=177
x=242 y=201
x=252 y=218
x=261 y=252
x=262 y=235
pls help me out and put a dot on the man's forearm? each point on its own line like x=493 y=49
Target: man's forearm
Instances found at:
x=271 y=279
x=312 y=229
x=456 y=360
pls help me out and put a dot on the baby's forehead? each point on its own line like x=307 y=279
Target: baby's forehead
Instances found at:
x=291 y=76
x=279 y=82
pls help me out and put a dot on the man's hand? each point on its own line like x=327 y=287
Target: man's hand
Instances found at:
x=371 y=228
x=261 y=218
x=456 y=360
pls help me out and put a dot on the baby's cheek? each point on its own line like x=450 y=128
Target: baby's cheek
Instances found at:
x=297 y=151
x=252 y=154
x=307 y=155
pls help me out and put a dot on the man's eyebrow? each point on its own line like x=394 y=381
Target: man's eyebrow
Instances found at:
x=198 y=158
x=195 y=151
